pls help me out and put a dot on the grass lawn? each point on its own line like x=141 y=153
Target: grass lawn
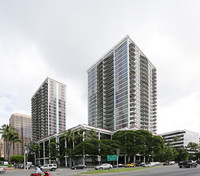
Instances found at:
x=114 y=170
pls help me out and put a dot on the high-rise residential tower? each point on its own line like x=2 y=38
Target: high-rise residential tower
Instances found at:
x=48 y=109
x=122 y=90
x=23 y=124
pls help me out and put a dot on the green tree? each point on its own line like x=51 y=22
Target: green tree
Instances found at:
x=139 y=142
x=108 y=147
x=182 y=154
x=70 y=138
x=87 y=147
x=17 y=158
x=157 y=147
x=14 y=138
x=91 y=134
x=34 y=148
x=9 y=135
x=53 y=148
x=194 y=148
x=169 y=154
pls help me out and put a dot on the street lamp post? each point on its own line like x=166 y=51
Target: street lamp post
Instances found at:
x=24 y=156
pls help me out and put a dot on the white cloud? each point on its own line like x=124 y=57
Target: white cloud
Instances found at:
x=180 y=114
x=62 y=39
x=21 y=68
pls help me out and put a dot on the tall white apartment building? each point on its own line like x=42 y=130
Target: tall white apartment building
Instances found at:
x=122 y=89
x=48 y=109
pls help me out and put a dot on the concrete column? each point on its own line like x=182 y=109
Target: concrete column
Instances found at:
x=125 y=159
x=65 y=154
x=134 y=160
x=44 y=151
x=99 y=138
x=49 y=154
x=57 y=159
x=83 y=150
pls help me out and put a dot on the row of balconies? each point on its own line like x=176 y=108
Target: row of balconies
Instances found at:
x=131 y=49
x=108 y=60
x=144 y=67
x=144 y=59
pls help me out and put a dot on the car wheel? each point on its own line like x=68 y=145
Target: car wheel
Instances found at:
x=100 y=168
x=180 y=166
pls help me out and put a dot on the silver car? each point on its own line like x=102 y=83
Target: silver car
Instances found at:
x=104 y=166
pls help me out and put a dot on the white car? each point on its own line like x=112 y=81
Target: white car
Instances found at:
x=2 y=170
x=49 y=167
x=171 y=162
x=104 y=166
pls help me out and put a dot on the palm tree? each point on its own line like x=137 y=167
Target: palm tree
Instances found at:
x=91 y=134
x=69 y=137
x=14 y=139
x=8 y=134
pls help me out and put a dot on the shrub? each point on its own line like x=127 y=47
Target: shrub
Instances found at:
x=17 y=158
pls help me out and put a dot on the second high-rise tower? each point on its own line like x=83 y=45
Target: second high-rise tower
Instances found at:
x=122 y=90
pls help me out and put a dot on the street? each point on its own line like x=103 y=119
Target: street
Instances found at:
x=162 y=171
x=156 y=171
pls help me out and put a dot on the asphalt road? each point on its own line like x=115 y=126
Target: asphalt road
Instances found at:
x=161 y=171
x=156 y=171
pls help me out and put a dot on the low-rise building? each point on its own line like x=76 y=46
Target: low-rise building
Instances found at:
x=180 y=138
x=44 y=157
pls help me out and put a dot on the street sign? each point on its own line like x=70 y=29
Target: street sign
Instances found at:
x=112 y=157
x=118 y=152
x=99 y=158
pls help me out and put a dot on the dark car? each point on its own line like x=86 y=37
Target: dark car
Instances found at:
x=79 y=166
x=169 y=163
x=187 y=164
x=166 y=164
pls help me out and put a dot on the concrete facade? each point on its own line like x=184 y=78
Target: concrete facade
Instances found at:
x=180 y=138
x=48 y=109
x=23 y=124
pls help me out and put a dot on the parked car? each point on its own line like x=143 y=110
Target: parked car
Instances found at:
x=2 y=170
x=119 y=165
x=198 y=161
x=104 y=166
x=49 y=167
x=187 y=164
x=79 y=166
x=169 y=163
x=129 y=165
x=140 y=164
x=151 y=164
